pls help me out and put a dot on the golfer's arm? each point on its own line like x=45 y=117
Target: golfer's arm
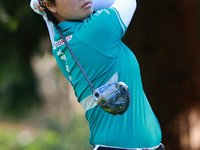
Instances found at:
x=51 y=31
x=126 y=9
x=100 y=4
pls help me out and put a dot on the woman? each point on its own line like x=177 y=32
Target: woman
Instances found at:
x=95 y=38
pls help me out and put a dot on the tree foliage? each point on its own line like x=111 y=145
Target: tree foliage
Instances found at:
x=20 y=32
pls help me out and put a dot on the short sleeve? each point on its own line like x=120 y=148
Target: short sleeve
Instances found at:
x=103 y=31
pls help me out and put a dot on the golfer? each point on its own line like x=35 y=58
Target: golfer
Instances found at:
x=95 y=39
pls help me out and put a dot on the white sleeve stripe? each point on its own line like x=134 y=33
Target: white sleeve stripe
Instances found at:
x=120 y=21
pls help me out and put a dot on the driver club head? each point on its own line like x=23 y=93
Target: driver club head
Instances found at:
x=113 y=97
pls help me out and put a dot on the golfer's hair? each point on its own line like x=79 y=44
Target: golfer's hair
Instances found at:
x=49 y=14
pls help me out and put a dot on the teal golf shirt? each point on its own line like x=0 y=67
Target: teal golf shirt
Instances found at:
x=96 y=42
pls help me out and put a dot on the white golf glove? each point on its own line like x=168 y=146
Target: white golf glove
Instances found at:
x=35 y=6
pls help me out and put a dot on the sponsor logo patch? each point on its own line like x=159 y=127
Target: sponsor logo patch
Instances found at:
x=61 y=42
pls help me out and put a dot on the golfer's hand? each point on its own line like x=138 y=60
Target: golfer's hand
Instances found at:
x=37 y=8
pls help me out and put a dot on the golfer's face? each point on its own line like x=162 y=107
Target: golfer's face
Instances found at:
x=73 y=9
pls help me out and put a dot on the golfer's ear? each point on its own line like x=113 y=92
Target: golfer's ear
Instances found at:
x=49 y=5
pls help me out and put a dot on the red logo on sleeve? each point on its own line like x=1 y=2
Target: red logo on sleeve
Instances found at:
x=61 y=42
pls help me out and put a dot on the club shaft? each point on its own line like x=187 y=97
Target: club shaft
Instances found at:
x=73 y=55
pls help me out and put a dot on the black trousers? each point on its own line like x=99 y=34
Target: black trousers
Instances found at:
x=161 y=147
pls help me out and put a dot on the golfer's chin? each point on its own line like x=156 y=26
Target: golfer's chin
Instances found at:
x=86 y=14
x=81 y=16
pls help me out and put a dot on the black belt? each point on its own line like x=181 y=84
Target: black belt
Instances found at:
x=160 y=147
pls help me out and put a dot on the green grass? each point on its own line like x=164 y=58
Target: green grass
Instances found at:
x=16 y=136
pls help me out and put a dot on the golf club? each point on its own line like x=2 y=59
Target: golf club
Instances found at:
x=113 y=97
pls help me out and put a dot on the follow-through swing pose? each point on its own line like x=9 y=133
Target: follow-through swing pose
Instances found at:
x=95 y=39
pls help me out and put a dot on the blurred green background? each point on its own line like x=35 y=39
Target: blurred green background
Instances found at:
x=38 y=109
